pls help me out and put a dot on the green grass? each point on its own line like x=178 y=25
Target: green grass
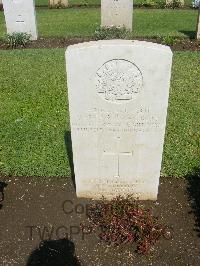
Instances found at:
x=41 y=2
x=182 y=149
x=83 y=22
x=34 y=114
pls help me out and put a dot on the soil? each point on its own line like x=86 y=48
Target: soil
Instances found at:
x=33 y=205
x=179 y=45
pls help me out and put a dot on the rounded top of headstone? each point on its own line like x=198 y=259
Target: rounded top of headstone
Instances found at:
x=120 y=42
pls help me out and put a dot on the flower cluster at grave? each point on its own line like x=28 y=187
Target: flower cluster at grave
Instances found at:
x=124 y=220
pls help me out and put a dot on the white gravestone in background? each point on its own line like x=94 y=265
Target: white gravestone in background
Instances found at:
x=118 y=97
x=198 y=25
x=118 y=13
x=58 y=3
x=20 y=17
x=169 y=3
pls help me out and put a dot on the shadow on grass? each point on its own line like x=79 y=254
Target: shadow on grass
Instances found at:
x=68 y=146
x=193 y=190
x=2 y=186
x=54 y=253
x=190 y=34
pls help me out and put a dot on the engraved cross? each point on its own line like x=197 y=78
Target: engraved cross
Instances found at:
x=119 y=152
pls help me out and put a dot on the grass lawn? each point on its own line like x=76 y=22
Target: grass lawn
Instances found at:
x=34 y=114
x=83 y=22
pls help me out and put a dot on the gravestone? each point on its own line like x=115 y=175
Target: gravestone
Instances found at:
x=20 y=17
x=118 y=96
x=58 y=3
x=196 y=3
x=198 y=25
x=176 y=3
x=118 y=13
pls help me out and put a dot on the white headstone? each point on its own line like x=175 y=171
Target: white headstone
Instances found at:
x=195 y=3
x=58 y=3
x=198 y=25
x=118 y=98
x=20 y=17
x=118 y=13
x=176 y=3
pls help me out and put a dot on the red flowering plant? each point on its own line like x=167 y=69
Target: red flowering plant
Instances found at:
x=123 y=220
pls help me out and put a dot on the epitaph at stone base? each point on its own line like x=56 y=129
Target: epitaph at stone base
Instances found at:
x=118 y=97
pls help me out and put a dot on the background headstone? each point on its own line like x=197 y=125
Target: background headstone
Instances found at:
x=195 y=3
x=118 y=97
x=198 y=25
x=20 y=17
x=58 y=3
x=174 y=2
x=118 y=13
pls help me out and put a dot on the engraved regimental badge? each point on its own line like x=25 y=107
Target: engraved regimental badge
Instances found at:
x=118 y=81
